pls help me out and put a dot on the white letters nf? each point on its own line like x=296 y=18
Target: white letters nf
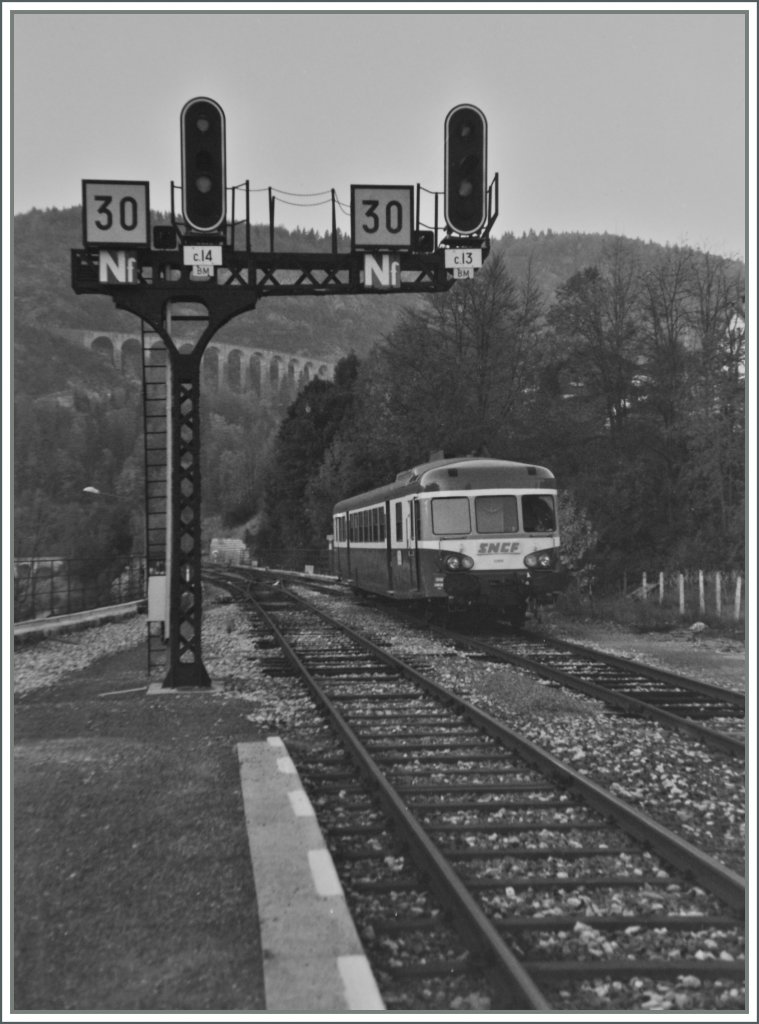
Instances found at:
x=381 y=271
x=117 y=267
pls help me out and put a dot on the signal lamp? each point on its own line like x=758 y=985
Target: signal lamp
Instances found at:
x=466 y=139
x=204 y=167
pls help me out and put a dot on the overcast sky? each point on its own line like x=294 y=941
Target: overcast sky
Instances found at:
x=630 y=122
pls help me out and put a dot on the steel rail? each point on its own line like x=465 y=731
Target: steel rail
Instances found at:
x=634 y=705
x=508 y=972
x=515 y=980
x=711 y=873
x=647 y=671
x=713 y=737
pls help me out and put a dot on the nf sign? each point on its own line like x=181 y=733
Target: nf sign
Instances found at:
x=116 y=213
x=381 y=272
x=117 y=267
x=382 y=216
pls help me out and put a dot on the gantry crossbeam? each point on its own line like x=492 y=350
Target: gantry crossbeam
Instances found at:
x=151 y=284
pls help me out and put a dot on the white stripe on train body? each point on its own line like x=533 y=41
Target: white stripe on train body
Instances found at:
x=471 y=532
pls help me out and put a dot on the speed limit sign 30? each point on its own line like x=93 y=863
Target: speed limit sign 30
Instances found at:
x=116 y=213
x=382 y=216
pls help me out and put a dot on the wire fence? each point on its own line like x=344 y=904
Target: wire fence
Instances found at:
x=717 y=594
x=43 y=587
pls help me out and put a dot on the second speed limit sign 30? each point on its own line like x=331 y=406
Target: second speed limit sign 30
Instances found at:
x=382 y=216
x=116 y=213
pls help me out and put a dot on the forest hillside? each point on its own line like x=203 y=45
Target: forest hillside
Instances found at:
x=617 y=362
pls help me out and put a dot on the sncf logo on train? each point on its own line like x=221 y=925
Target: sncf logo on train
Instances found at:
x=504 y=547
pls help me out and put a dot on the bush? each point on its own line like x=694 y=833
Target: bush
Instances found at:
x=645 y=616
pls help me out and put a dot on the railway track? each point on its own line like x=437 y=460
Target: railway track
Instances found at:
x=712 y=714
x=479 y=860
x=684 y=704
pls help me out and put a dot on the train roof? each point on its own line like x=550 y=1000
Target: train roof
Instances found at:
x=460 y=474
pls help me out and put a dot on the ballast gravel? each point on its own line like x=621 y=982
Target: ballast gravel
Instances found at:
x=696 y=792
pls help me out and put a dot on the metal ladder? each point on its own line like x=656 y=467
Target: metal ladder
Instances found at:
x=155 y=386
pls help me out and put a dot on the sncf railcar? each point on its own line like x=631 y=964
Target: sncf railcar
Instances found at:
x=457 y=533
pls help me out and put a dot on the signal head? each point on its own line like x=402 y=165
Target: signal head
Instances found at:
x=466 y=138
x=204 y=170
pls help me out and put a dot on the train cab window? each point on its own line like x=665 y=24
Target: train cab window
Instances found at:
x=450 y=515
x=538 y=514
x=496 y=513
x=340 y=533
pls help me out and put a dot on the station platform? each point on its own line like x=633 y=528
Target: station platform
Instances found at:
x=168 y=859
x=37 y=629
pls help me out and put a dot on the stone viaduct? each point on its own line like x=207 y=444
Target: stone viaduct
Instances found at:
x=271 y=375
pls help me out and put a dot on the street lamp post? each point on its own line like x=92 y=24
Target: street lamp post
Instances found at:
x=96 y=492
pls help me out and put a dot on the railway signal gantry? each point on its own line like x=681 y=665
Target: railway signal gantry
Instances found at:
x=188 y=278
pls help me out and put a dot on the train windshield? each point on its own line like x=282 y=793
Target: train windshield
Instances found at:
x=450 y=515
x=496 y=513
x=538 y=513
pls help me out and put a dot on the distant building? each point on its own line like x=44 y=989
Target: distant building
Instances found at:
x=229 y=550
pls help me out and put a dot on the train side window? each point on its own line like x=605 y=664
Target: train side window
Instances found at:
x=399 y=521
x=382 y=527
x=496 y=513
x=450 y=515
x=538 y=514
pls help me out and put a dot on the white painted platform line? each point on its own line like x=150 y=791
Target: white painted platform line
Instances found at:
x=326 y=881
x=313 y=960
x=359 y=983
x=301 y=805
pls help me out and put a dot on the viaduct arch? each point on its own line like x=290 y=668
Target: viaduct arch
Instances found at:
x=241 y=368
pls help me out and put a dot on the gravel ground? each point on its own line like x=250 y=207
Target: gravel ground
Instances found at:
x=697 y=792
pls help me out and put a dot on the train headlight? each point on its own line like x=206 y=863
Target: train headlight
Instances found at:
x=540 y=559
x=455 y=563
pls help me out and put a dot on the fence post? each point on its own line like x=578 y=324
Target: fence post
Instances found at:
x=701 y=598
x=681 y=589
x=738 y=584
x=661 y=588
x=644 y=585
x=718 y=592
